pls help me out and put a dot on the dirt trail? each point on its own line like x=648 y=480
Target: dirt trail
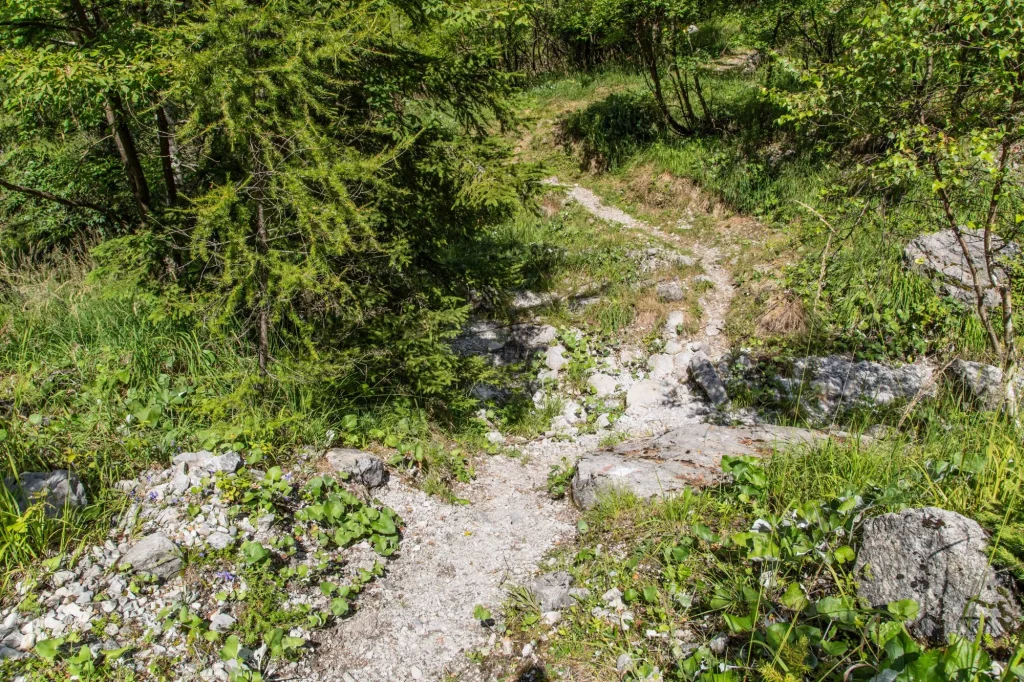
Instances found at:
x=715 y=302
x=417 y=622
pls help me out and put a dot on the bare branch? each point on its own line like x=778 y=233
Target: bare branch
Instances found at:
x=64 y=201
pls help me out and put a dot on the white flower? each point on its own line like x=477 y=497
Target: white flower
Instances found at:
x=692 y=28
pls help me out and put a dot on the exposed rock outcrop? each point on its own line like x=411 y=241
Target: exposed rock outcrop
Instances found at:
x=58 y=490
x=939 y=559
x=686 y=457
x=940 y=257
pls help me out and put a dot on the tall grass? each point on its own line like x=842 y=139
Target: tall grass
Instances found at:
x=97 y=378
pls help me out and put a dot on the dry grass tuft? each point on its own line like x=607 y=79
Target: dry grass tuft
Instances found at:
x=667 y=192
x=784 y=315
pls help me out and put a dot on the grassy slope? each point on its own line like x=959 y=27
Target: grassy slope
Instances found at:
x=687 y=568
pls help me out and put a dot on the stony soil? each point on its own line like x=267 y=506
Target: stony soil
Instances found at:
x=417 y=623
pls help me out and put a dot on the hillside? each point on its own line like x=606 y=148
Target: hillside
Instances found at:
x=622 y=341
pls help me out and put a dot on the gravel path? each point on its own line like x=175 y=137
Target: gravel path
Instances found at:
x=417 y=622
x=715 y=302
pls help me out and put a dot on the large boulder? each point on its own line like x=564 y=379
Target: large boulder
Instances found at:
x=980 y=384
x=833 y=383
x=154 y=554
x=361 y=466
x=689 y=456
x=940 y=257
x=938 y=558
x=58 y=490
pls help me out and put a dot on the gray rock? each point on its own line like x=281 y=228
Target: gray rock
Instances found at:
x=670 y=291
x=602 y=384
x=554 y=358
x=61 y=578
x=981 y=384
x=526 y=300
x=205 y=461
x=940 y=257
x=704 y=375
x=830 y=384
x=939 y=559
x=646 y=393
x=155 y=554
x=363 y=467
x=675 y=319
x=58 y=489
x=686 y=457
x=481 y=337
x=219 y=541
x=623 y=664
x=661 y=365
x=221 y=622
x=524 y=340
x=554 y=591
x=7 y=652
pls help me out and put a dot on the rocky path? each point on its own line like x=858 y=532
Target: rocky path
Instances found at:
x=715 y=301
x=417 y=622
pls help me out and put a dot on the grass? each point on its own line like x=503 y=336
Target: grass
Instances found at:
x=702 y=593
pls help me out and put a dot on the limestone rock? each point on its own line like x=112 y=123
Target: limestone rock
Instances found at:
x=361 y=466
x=602 y=384
x=480 y=338
x=670 y=291
x=705 y=376
x=526 y=300
x=221 y=622
x=689 y=456
x=58 y=489
x=527 y=339
x=154 y=554
x=645 y=394
x=980 y=383
x=939 y=256
x=938 y=558
x=554 y=591
x=675 y=319
x=555 y=359
x=205 y=461
x=661 y=365
x=832 y=383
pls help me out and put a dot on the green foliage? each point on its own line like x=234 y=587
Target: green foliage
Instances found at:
x=559 y=478
x=609 y=131
x=770 y=564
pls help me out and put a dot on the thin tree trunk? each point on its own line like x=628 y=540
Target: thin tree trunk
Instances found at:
x=700 y=98
x=979 y=293
x=650 y=56
x=262 y=247
x=129 y=153
x=168 y=155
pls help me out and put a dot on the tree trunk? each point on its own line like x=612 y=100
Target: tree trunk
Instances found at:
x=168 y=155
x=129 y=153
x=650 y=57
x=700 y=98
x=262 y=247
